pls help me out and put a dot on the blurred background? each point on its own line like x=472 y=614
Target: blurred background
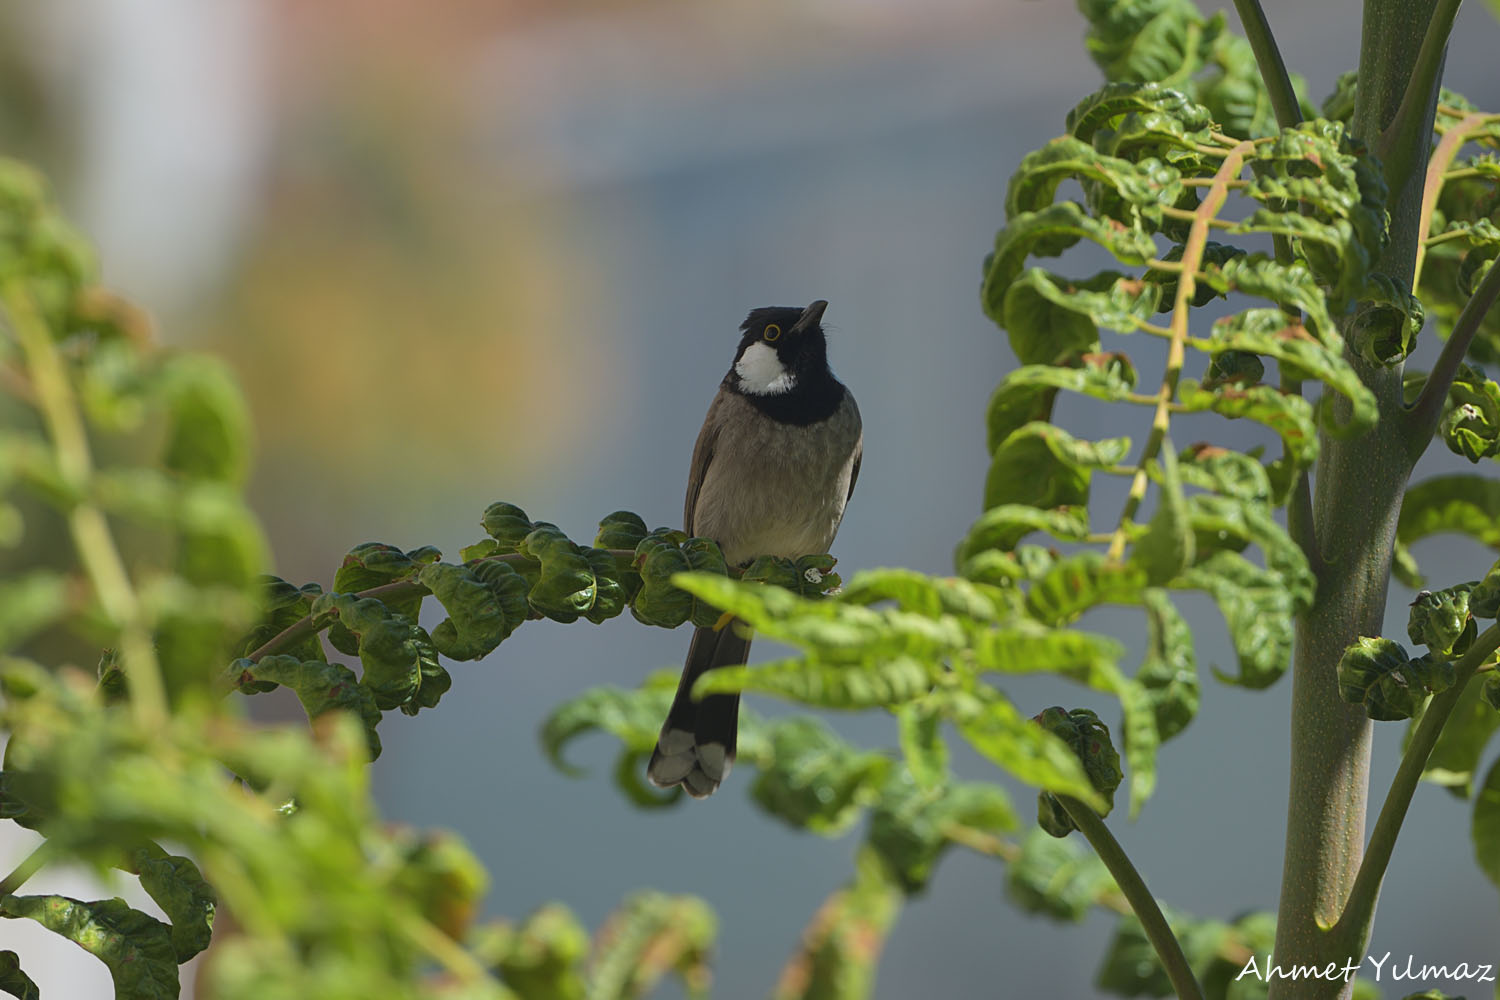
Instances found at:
x=462 y=251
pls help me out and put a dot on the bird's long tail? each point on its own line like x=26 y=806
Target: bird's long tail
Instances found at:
x=696 y=746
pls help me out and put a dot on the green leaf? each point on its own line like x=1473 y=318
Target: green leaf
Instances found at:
x=1258 y=610
x=567 y=587
x=209 y=424
x=620 y=530
x=1052 y=320
x=1231 y=473
x=1055 y=878
x=633 y=717
x=1441 y=621
x=1471 y=416
x=993 y=727
x=1169 y=673
x=507 y=524
x=1089 y=738
x=919 y=728
x=476 y=622
x=883 y=683
x=1462 y=504
x=320 y=686
x=1486 y=829
x=925 y=595
x=1082 y=581
x=179 y=889
x=1287 y=414
x=386 y=645
x=1042 y=465
x=282 y=606
x=1166 y=549
x=1048 y=233
x=1026 y=647
x=911 y=824
x=1004 y=526
x=661 y=556
x=1027 y=394
x=815 y=780
x=1391 y=685
x=1454 y=760
x=137 y=948
x=1271 y=333
x=648 y=937
x=15 y=982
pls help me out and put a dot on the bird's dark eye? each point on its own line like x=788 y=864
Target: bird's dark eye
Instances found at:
x=772 y=331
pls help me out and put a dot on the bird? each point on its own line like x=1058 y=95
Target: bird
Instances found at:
x=772 y=470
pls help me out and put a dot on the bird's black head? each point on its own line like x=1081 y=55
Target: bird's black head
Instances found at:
x=782 y=364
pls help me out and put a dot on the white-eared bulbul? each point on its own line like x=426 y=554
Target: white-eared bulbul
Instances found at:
x=774 y=465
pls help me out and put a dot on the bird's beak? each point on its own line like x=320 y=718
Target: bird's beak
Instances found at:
x=810 y=316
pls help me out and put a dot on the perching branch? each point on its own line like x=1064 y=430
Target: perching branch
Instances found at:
x=1399 y=146
x=398 y=591
x=1268 y=57
x=1424 y=414
x=1158 y=932
x=1359 y=910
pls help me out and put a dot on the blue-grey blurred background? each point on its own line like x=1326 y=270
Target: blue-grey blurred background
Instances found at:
x=461 y=251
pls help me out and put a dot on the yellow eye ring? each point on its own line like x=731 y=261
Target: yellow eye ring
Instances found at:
x=772 y=332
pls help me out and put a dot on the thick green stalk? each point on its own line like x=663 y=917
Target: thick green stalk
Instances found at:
x=1359 y=484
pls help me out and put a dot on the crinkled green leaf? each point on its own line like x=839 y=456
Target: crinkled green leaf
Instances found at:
x=386 y=646
x=1087 y=737
x=1289 y=415
x=1484 y=599
x=993 y=727
x=1169 y=673
x=919 y=728
x=1167 y=547
x=659 y=557
x=1227 y=523
x=1026 y=647
x=1056 y=878
x=507 y=524
x=1471 y=418
x=1042 y=465
x=911 y=823
x=1003 y=526
x=476 y=621
x=1082 y=581
x=1486 y=827
x=1462 y=504
x=320 y=686
x=208 y=434
x=925 y=595
x=838 y=632
x=1143 y=186
x=1026 y=394
x=15 y=982
x=888 y=681
x=1390 y=684
x=816 y=780
x=620 y=530
x=1047 y=233
x=1231 y=473
x=1258 y=610
x=137 y=948
x=1269 y=332
x=567 y=588
x=1440 y=620
x=178 y=887
x=633 y=717
x=282 y=606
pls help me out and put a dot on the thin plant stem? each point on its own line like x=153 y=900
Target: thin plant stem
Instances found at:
x=1272 y=66
x=1423 y=415
x=29 y=866
x=1133 y=888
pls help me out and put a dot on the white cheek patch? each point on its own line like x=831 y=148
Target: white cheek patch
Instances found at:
x=761 y=371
